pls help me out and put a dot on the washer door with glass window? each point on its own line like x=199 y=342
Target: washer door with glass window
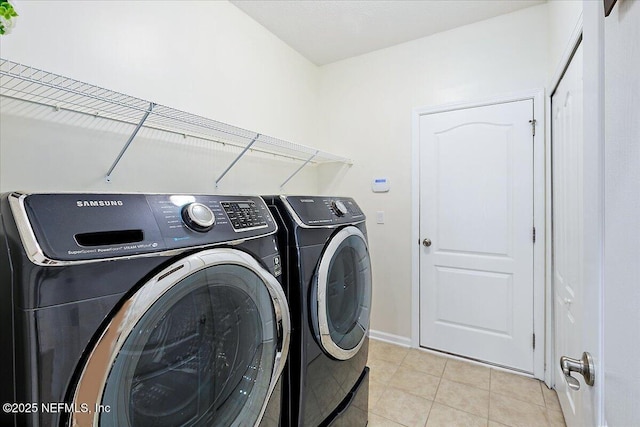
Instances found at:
x=201 y=344
x=342 y=290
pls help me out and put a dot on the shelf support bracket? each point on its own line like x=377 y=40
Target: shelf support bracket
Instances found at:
x=299 y=169
x=126 y=146
x=244 y=150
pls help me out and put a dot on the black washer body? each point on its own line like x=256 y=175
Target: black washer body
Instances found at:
x=53 y=309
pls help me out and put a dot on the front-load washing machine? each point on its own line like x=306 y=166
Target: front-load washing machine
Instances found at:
x=328 y=285
x=140 y=310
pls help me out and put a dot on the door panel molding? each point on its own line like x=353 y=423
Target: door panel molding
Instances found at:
x=539 y=214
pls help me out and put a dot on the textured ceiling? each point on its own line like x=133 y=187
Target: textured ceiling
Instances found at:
x=325 y=31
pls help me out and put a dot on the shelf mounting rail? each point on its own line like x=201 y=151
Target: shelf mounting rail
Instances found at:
x=233 y=163
x=126 y=146
x=299 y=169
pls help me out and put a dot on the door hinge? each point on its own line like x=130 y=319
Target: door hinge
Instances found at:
x=534 y=341
x=533 y=126
x=534 y=235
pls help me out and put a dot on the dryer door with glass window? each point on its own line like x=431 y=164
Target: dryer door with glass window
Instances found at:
x=342 y=290
x=203 y=343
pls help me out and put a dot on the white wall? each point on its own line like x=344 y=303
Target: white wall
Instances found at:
x=207 y=58
x=366 y=104
x=564 y=16
x=622 y=215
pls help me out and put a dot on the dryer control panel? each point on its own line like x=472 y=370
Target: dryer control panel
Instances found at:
x=69 y=227
x=319 y=211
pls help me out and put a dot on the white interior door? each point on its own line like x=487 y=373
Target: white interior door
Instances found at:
x=568 y=233
x=476 y=209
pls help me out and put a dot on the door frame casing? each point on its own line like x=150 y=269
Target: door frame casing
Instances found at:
x=574 y=41
x=539 y=212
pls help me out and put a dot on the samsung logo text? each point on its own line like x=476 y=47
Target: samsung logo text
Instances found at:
x=98 y=203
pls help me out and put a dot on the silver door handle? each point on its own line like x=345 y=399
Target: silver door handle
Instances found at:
x=426 y=243
x=583 y=366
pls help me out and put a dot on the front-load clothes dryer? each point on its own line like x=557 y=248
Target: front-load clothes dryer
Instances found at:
x=328 y=285
x=140 y=310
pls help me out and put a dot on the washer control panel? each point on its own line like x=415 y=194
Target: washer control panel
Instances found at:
x=95 y=226
x=244 y=215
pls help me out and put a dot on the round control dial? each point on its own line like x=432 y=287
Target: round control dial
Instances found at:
x=198 y=217
x=339 y=208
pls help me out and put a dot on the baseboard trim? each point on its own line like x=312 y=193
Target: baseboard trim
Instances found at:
x=390 y=338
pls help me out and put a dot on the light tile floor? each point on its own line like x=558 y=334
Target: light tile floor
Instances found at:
x=410 y=387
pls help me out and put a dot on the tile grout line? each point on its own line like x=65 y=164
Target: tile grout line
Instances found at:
x=465 y=384
x=433 y=402
x=490 y=382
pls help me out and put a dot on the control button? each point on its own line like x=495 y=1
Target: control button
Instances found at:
x=339 y=208
x=198 y=217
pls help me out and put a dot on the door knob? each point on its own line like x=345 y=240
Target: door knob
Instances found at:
x=426 y=243
x=583 y=366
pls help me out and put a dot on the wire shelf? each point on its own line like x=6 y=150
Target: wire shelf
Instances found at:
x=25 y=83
